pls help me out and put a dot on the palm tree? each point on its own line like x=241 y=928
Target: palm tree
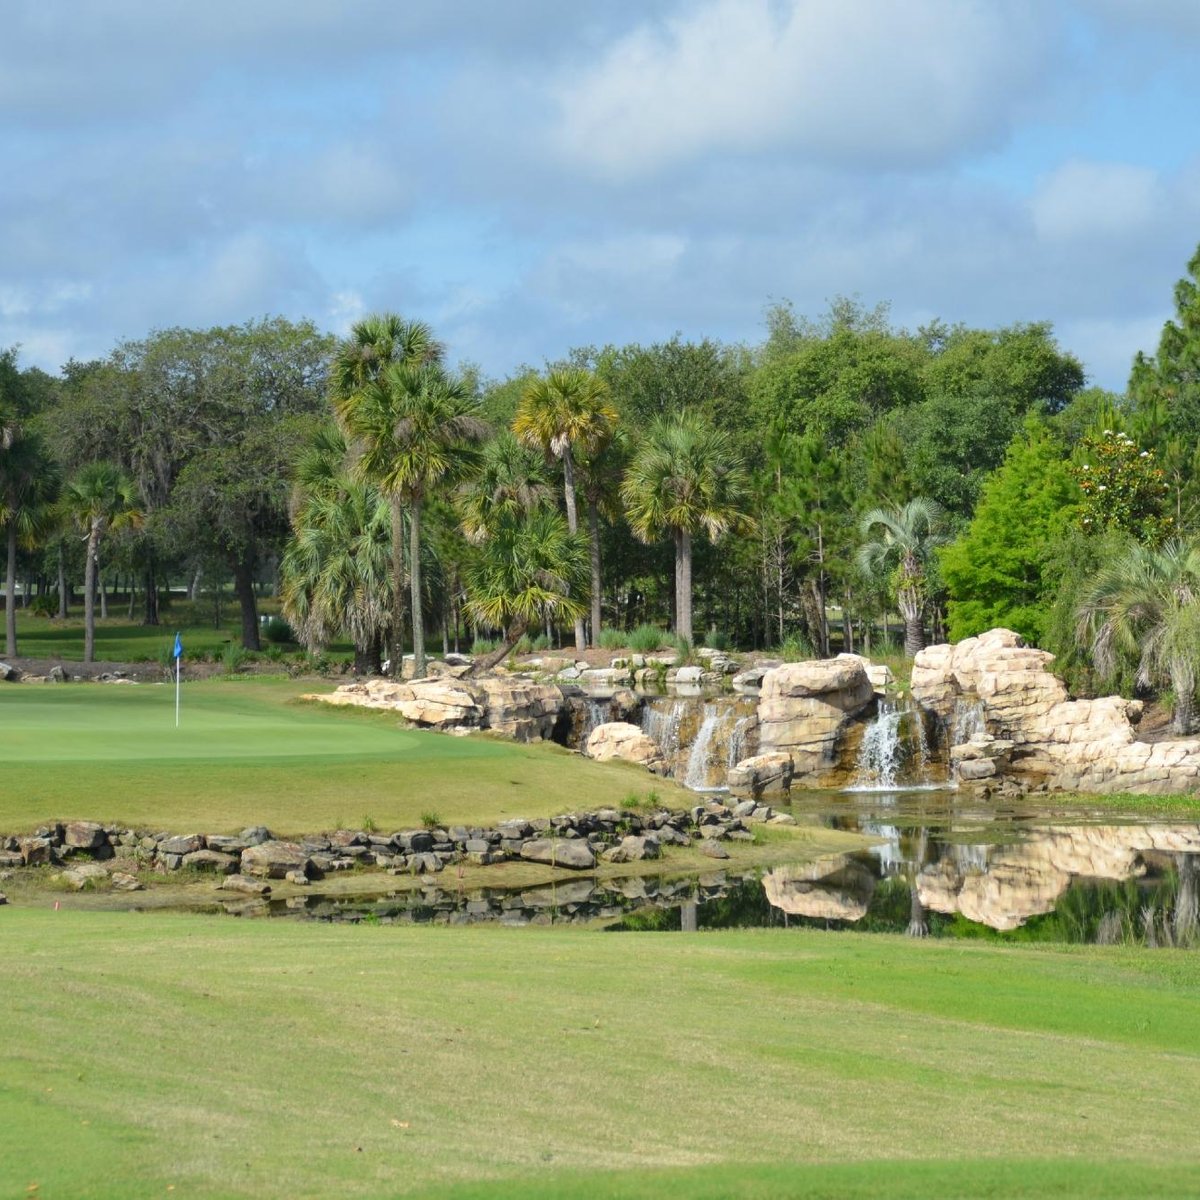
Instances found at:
x=565 y=413
x=686 y=478
x=903 y=548
x=360 y=403
x=511 y=480
x=600 y=481
x=531 y=569
x=28 y=490
x=1145 y=608
x=99 y=500
x=335 y=570
x=431 y=440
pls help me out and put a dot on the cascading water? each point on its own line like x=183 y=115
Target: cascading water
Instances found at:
x=696 y=774
x=595 y=712
x=701 y=739
x=661 y=721
x=894 y=753
x=966 y=721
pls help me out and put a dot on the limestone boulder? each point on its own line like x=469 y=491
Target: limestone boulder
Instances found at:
x=84 y=835
x=804 y=707
x=619 y=739
x=560 y=852
x=9 y=673
x=763 y=775
x=274 y=859
x=85 y=875
x=517 y=707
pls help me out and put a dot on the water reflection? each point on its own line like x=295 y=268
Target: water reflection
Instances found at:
x=941 y=867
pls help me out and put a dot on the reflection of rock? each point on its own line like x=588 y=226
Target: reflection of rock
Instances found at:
x=837 y=889
x=1086 y=745
x=804 y=707
x=1024 y=880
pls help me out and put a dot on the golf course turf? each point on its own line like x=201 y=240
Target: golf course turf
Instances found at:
x=244 y=1059
x=248 y=752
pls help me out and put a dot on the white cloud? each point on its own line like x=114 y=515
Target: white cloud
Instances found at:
x=847 y=81
x=1097 y=200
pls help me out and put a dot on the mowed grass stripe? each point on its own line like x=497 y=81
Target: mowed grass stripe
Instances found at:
x=264 y=1059
x=249 y=752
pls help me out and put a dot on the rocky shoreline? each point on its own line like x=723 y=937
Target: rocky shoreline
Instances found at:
x=94 y=855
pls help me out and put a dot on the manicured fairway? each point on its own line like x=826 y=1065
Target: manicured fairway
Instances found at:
x=253 y=1059
x=247 y=753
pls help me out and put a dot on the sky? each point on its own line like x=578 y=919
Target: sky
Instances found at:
x=533 y=175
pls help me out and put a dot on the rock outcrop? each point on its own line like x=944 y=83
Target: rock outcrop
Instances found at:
x=619 y=739
x=804 y=708
x=1056 y=742
x=512 y=705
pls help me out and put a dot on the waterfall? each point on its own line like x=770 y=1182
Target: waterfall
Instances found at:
x=737 y=740
x=894 y=743
x=661 y=720
x=696 y=775
x=596 y=712
x=966 y=721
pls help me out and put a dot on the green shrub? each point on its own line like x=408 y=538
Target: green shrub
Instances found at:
x=683 y=651
x=431 y=820
x=279 y=632
x=523 y=646
x=233 y=658
x=716 y=639
x=646 y=638
x=483 y=645
x=795 y=649
x=613 y=639
x=44 y=606
x=541 y=642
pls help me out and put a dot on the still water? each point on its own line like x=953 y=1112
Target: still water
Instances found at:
x=942 y=866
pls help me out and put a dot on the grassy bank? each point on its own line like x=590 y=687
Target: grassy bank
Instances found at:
x=248 y=752
x=245 y=1059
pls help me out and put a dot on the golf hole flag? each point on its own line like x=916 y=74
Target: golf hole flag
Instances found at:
x=178 y=652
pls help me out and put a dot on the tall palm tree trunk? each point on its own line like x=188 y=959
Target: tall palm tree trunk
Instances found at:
x=89 y=595
x=103 y=593
x=10 y=590
x=397 y=646
x=573 y=526
x=418 y=616
x=683 y=585
x=594 y=552
x=914 y=627
x=511 y=636
x=1183 y=683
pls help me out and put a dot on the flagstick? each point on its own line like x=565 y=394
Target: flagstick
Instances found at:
x=176 y=691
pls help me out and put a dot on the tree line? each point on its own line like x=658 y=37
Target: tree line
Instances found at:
x=801 y=493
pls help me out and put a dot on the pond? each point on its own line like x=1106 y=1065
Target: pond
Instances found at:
x=943 y=865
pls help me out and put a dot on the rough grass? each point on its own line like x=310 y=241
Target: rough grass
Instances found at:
x=245 y=1059
x=248 y=752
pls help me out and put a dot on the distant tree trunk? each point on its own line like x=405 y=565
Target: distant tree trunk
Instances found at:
x=10 y=587
x=89 y=595
x=64 y=597
x=103 y=593
x=367 y=659
x=683 y=585
x=397 y=643
x=194 y=584
x=573 y=526
x=418 y=617
x=594 y=528
x=1183 y=684
x=1187 y=904
x=151 y=607
x=243 y=586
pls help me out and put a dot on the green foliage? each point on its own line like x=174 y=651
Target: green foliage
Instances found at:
x=717 y=639
x=646 y=638
x=234 y=658
x=431 y=819
x=795 y=648
x=539 y=643
x=1123 y=488
x=483 y=645
x=279 y=632
x=994 y=572
x=613 y=639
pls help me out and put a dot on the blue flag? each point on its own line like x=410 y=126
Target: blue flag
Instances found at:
x=178 y=647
